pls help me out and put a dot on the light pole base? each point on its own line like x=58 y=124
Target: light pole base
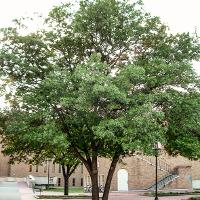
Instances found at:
x=156 y=198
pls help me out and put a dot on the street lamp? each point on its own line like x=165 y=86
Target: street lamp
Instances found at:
x=157 y=147
x=48 y=160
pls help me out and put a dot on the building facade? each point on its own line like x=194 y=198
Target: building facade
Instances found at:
x=22 y=170
x=138 y=172
x=133 y=172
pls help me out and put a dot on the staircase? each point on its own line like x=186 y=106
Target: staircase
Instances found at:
x=164 y=181
x=162 y=166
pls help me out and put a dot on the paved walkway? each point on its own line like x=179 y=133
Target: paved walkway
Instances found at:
x=25 y=192
x=12 y=190
x=9 y=191
x=139 y=196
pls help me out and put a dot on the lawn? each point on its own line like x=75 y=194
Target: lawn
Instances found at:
x=61 y=189
x=162 y=194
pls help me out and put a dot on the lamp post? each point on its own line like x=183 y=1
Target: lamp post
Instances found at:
x=157 y=147
x=48 y=160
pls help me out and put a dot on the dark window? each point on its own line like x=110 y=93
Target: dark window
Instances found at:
x=36 y=169
x=59 y=181
x=73 y=182
x=59 y=169
x=45 y=167
x=30 y=168
x=53 y=168
x=81 y=181
x=82 y=168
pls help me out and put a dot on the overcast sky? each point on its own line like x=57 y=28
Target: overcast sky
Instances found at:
x=179 y=15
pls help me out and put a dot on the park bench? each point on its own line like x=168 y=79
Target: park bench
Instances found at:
x=37 y=188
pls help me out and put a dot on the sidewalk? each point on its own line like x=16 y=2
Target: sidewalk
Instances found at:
x=27 y=194
x=138 y=196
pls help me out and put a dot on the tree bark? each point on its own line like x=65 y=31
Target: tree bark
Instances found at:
x=109 y=177
x=66 y=180
x=94 y=179
x=66 y=186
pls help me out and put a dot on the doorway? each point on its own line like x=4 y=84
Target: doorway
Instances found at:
x=122 y=180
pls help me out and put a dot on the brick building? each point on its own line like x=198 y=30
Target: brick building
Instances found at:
x=138 y=172
x=135 y=172
x=22 y=170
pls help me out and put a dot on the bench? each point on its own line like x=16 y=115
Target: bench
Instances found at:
x=37 y=188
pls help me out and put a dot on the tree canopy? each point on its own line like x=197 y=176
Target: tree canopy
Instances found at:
x=106 y=79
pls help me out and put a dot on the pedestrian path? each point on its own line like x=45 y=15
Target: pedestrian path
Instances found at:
x=139 y=196
x=26 y=193
x=9 y=191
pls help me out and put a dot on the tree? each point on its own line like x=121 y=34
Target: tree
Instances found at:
x=37 y=148
x=109 y=77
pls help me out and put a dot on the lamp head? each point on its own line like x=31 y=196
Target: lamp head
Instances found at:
x=157 y=146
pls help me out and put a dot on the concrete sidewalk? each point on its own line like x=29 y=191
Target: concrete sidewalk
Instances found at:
x=9 y=191
x=139 y=196
x=27 y=194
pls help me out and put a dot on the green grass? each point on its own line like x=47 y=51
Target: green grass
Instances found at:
x=62 y=197
x=61 y=189
x=162 y=194
x=195 y=198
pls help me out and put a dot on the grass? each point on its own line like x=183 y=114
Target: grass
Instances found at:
x=195 y=198
x=62 y=197
x=162 y=194
x=61 y=189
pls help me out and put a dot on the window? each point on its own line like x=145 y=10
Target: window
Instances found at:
x=53 y=168
x=45 y=167
x=99 y=181
x=81 y=181
x=30 y=168
x=73 y=182
x=88 y=180
x=36 y=169
x=81 y=168
x=59 y=181
x=102 y=180
x=59 y=168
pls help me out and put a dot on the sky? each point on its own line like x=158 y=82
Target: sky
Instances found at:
x=179 y=15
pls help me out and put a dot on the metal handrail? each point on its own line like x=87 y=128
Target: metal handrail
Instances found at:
x=163 y=181
x=163 y=166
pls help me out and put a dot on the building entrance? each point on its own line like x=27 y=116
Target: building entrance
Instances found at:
x=122 y=180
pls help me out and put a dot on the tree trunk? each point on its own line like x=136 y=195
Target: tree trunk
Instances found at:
x=109 y=177
x=66 y=186
x=66 y=180
x=94 y=179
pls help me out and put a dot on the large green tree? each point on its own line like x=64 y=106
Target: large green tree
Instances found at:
x=45 y=143
x=109 y=78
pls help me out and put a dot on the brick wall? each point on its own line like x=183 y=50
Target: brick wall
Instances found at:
x=4 y=165
x=141 y=174
x=23 y=170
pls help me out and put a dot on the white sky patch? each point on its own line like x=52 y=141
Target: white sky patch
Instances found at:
x=180 y=15
x=11 y=9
